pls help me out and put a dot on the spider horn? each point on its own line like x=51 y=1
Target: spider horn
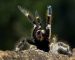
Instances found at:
x=49 y=14
x=26 y=13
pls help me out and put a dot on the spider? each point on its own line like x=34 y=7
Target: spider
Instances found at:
x=40 y=36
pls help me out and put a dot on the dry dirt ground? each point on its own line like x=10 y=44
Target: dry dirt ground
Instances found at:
x=33 y=55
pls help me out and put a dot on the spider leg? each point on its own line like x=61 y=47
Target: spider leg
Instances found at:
x=23 y=44
x=64 y=49
x=48 y=22
x=35 y=21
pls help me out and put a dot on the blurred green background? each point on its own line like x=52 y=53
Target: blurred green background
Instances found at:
x=14 y=25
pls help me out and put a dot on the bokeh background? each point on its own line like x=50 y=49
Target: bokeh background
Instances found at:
x=14 y=25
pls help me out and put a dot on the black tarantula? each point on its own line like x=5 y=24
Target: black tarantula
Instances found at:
x=41 y=38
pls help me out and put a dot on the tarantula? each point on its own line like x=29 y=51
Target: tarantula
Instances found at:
x=41 y=38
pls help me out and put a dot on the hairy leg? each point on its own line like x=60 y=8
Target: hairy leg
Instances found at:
x=48 y=22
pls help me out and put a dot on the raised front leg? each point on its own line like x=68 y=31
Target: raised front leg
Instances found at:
x=34 y=20
x=48 y=22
